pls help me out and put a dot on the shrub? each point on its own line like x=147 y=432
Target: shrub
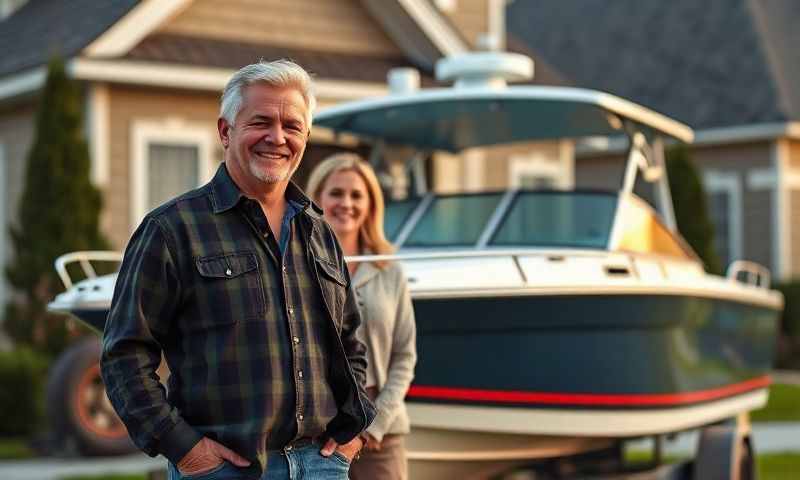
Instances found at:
x=58 y=213
x=22 y=380
x=789 y=342
x=691 y=206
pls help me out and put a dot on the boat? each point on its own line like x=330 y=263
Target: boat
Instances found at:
x=551 y=323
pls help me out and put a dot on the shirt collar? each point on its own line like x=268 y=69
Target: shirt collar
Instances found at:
x=225 y=194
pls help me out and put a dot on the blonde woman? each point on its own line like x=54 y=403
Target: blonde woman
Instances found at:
x=347 y=189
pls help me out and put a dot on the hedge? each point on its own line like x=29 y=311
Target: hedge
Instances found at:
x=22 y=380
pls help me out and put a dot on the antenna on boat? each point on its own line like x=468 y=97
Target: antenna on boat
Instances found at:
x=484 y=69
x=490 y=66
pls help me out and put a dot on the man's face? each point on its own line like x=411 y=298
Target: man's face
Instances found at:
x=268 y=137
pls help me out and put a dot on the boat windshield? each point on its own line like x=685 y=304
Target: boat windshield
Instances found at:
x=563 y=219
x=396 y=215
x=524 y=219
x=454 y=221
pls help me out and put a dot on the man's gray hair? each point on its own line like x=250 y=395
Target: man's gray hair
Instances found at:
x=279 y=73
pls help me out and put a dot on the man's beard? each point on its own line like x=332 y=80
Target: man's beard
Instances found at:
x=268 y=176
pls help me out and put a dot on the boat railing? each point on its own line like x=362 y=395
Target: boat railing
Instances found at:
x=750 y=273
x=84 y=259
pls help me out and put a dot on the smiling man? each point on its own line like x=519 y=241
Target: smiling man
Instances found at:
x=243 y=288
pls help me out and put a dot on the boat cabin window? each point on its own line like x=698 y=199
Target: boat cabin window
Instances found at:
x=396 y=215
x=563 y=219
x=454 y=221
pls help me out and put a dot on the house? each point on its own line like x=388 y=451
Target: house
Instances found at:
x=152 y=72
x=728 y=68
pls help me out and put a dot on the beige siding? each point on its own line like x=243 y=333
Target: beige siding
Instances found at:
x=126 y=106
x=794 y=215
x=327 y=25
x=471 y=18
x=499 y=160
x=17 y=129
x=16 y=136
x=450 y=171
x=606 y=171
x=794 y=155
x=794 y=209
x=603 y=172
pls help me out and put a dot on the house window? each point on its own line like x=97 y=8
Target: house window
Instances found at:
x=171 y=170
x=724 y=194
x=168 y=158
x=535 y=181
x=539 y=171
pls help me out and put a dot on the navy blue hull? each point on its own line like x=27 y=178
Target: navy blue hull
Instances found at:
x=95 y=319
x=587 y=351
x=603 y=351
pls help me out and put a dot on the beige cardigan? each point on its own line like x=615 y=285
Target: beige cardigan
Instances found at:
x=389 y=332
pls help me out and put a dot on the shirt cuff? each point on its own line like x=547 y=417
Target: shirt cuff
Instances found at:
x=177 y=442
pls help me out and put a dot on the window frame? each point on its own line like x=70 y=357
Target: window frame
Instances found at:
x=729 y=183
x=169 y=132
x=559 y=168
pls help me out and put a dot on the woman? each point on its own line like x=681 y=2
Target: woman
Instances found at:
x=348 y=192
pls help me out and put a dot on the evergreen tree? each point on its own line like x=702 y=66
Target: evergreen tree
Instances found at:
x=691 y=207
x=58 y=213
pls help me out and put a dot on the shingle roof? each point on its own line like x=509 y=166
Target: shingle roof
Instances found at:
x=43 y=28
x=195 y=51
x=711 y=63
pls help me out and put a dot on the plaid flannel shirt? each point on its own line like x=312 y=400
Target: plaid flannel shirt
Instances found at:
x=260 y=340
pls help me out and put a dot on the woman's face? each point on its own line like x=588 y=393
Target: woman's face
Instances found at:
x=345 y=202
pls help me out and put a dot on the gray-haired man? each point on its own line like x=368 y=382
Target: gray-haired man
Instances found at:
x=243 y=287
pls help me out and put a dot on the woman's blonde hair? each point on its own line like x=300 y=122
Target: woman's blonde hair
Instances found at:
x=370 y=235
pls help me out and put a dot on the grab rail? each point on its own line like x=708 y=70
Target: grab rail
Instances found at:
x=84 y=258
x=755 y=274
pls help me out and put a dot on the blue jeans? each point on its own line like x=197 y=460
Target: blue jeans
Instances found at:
x=303 y=463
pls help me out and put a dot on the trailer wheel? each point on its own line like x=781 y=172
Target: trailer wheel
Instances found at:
x=79 y=412
x=725 y=453
x=747 y=461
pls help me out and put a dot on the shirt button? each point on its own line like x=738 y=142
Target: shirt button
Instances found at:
x=291 y=311
x=228 y=272
x=299 y=374
x=300 y=416
x=296 y=340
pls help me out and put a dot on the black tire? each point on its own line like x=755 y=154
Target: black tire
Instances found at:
x=747 y=461
x=79 y=413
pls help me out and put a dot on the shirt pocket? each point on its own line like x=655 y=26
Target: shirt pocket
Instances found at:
x=333 y=285
x=229 y=288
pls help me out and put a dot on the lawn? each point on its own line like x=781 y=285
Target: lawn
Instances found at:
x=783 y=405
x=771 y=466
x=14 y=449
x=779 y=466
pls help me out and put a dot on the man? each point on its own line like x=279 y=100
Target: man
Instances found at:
x=243 y=288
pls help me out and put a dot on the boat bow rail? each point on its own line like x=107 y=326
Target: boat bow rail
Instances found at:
x=85 y=259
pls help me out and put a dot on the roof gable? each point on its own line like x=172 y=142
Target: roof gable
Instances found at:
x=341 y=26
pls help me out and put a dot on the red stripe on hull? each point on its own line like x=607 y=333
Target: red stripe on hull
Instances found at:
x=553 y=398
